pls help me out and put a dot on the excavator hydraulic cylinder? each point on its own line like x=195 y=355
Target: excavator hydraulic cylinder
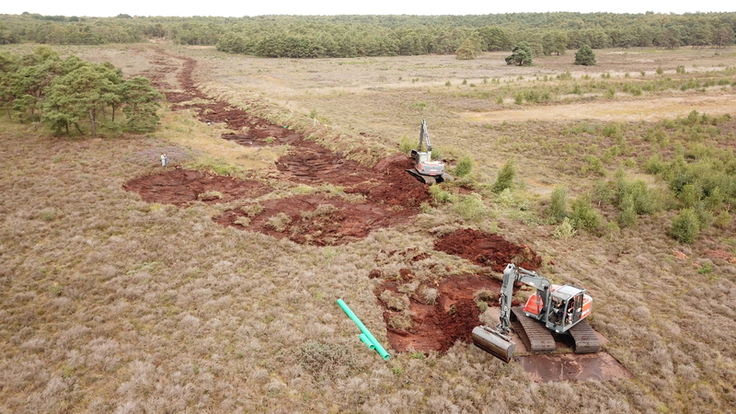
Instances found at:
x=493 y=342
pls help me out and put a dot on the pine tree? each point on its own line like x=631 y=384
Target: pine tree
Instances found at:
x=521 y=55
x=585 y=56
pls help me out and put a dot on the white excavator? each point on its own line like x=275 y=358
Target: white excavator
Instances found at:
x=425 y=170
x=551 y=310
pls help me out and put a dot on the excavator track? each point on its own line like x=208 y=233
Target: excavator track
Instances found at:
x=426 y=179
x=586 y=341
x=536 y=337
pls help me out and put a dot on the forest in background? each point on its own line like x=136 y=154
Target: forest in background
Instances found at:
x=384 y=35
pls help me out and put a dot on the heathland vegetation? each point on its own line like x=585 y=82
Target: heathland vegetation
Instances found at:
x=113 y=304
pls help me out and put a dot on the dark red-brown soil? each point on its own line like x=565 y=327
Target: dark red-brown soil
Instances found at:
x=436 y=327
x=181 y=187
x=314 y=219
x=488 y=249
x=438 y=311
x=573 y=367
x=391 y=195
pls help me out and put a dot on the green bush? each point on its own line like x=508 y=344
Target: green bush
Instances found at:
x=612 y=130
x=722 y=220
x=584 y=216
x=471 y=208
x=565 y=230
x=595 y=166
x=557 y=209
x=627 y=216
x=685 y=227
x=440 y=195
x=585 y=56
x=464 y=166
x=407 y=144
x=505 y=177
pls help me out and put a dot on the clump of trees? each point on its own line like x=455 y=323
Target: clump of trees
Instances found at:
x=72 y=95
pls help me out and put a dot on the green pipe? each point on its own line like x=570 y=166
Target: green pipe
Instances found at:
x=365 y=335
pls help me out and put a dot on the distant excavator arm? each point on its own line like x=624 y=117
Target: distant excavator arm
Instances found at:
x=424 y=138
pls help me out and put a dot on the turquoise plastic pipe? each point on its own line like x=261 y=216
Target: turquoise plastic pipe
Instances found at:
x=365 y=335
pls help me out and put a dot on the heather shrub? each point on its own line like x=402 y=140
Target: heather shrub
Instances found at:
x=471 y=207
x=279 y=222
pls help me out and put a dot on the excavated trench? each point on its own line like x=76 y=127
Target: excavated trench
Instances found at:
x=421 y=314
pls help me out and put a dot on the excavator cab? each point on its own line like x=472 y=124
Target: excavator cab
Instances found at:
x=566 y=308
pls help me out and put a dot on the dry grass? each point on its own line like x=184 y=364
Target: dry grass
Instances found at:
x=109 y=304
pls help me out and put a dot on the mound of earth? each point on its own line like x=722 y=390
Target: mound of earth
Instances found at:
x=181 y=186
x=437 y=313
x=436 y=316
x=488 y=249
x=397 y=187
x=314 y=219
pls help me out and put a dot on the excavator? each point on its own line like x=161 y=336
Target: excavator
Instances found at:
x=550 y=310
x=425 y=170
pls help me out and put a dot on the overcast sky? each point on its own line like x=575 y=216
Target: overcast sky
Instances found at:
x=234 y=8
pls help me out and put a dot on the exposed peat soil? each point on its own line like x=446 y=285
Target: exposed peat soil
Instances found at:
x=180 y=187
x=440 y=311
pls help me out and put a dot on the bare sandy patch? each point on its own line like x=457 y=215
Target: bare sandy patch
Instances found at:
x=634 y=110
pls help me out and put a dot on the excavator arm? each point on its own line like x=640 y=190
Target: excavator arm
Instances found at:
x=497 y=341
x=512 y=274
x=424 y=138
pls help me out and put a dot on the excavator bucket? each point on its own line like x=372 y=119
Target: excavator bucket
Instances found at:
x=494 y=343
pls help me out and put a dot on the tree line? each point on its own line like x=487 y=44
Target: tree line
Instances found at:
x=386 y=35
x=74 y=96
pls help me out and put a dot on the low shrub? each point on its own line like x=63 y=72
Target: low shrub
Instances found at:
x=471 y=208
x=685 y=227
x=395 y=301
x=557 y=209
x=252 y=209
x=584 y=216
x=278 y=222
x=565 y=230
x=210 y=196
x=505 y=177
x=464 y=166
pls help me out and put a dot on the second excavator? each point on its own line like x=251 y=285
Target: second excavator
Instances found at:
x=551 y=310
x=425 y=169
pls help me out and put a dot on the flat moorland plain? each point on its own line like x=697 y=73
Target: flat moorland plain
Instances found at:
x=112 y=304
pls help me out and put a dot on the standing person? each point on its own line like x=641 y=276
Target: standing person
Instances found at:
x=164 y=160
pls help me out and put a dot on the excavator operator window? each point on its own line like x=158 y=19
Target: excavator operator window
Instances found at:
x=558 y=308
x=570 y=311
